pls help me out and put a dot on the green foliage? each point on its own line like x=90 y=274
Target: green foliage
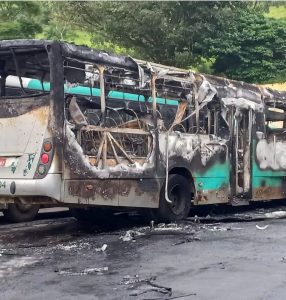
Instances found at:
x=19 y=19
x=168 y=32
x=240 y=40
x=229 y=38
x=278 y=11
x=58 y=20
x=251 y=49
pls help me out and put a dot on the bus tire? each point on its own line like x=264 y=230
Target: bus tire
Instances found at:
x=21 y=212
x=180 y=192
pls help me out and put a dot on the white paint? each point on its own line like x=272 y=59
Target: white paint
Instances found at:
x=206 y=92
x=271 y=155
x=14 y=81
x=242 y=103
x=188 y=145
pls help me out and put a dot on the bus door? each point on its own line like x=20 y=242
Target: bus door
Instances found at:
x=241 y=166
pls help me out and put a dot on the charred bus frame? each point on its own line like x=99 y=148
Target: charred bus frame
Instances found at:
x=123 y=128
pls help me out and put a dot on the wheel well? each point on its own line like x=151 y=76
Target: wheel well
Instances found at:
x=186 y=173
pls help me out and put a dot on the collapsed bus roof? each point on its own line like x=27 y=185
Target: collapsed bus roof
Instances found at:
x=72 y=51
x=222 y=85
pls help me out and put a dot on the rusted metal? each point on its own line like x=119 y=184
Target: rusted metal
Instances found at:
x=113 y=148
x=115 y=130
x=139 y=193
x=100 y=148
x=153 y=94
x=102 y=89
x=133 y=193
x=268 y=192
x=76 y=114
x=121 y=149
x=220 y=195
x=104 y=152
x=13 y=108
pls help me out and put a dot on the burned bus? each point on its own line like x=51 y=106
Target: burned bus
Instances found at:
x=89 y=130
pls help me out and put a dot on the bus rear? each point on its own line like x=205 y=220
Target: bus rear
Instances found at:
x=29 y=171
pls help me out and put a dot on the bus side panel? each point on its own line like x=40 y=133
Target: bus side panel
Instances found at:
x=140 y=192
x=22 y=138
x=268 y=172
x=92 y=191
x=212 y=186
x=206 y=159
x=113 y=192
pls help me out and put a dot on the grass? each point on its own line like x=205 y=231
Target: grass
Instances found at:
x=277 y=86
x=277 y=12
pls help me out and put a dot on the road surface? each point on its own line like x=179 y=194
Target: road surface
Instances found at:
x=55 y=257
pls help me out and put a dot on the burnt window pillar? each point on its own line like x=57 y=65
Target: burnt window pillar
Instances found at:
x=56 y=94
x=102 y=93
x=3 y=84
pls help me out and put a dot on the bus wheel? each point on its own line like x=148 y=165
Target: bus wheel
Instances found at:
x=19 y=212
x=179 y=192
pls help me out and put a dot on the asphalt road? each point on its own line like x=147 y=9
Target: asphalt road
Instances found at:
x=225 y=257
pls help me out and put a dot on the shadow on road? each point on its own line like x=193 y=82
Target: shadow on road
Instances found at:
x=53 y=225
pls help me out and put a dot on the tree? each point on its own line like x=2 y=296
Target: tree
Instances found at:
x=252 y=49
x=234 y=37
x=168 y=32
x=19 y=19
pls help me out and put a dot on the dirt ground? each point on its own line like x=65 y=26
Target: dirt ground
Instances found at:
x=241 y=255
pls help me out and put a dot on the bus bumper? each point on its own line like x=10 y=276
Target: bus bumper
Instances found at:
x=50 y=186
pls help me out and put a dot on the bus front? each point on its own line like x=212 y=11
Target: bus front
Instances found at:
x=30 y=169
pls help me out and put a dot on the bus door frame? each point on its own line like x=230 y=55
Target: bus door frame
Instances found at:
x=241 y=173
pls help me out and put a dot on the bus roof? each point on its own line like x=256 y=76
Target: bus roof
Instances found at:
x=102 y=57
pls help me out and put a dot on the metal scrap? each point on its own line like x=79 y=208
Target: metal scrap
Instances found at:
x=87 y=271
x=130 y=235
x=276 y=214
x=72 y=246
x=245 y=216
x=101 y=249
x=261 y=227
x=160 y=229
x=146 y=285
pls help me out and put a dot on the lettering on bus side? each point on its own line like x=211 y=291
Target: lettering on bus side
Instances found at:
x=2 y=184
x=30 y=160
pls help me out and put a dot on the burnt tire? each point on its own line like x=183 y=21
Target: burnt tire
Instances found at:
x=180 y=192
x=21 y=212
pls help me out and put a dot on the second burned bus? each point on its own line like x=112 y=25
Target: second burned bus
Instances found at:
x=87 y=129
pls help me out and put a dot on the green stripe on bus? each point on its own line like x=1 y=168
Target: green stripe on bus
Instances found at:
x=35 y=84
x=213 y=178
